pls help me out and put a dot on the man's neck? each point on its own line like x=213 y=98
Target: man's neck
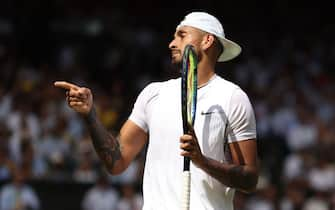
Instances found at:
x=205 y=73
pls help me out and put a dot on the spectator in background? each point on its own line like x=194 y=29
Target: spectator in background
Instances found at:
x=294 y=195
x=55 y=149
x=5 y=103
x=303 y=134
x=264 y=200
x=32 y=165
x=23 y=122
x=101 y=196
x=85 y=171
x=321 y=176
x=130 y=200
x=17 y=195
x=6 y=164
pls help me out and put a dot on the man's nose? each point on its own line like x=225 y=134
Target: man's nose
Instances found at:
x=172 y=44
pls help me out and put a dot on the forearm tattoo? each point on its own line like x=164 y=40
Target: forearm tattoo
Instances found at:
x=107 y=147
x=236 y=176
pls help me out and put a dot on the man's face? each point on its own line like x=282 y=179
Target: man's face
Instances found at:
x=183 y=36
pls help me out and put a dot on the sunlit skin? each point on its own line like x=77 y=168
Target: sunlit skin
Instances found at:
x=203 y=45
x=183 y=36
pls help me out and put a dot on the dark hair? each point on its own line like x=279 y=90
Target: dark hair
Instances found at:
x=218 y=46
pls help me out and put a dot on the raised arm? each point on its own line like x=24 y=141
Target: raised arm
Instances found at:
x=116 y=153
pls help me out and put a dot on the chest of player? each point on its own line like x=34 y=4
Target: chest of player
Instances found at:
x=210 y=125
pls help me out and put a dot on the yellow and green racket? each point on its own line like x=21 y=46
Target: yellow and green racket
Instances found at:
x=189 y=84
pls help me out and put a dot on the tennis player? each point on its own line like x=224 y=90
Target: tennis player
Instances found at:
x=222 y=146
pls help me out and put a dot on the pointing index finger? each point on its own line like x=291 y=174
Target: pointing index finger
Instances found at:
x=66 y=85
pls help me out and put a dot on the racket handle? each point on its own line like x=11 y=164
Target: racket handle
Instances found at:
x=187 y=161
x=186 y=190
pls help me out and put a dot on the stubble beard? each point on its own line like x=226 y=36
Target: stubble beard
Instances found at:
x=177 y=65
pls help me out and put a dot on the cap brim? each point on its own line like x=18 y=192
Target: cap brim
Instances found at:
x=231 y=50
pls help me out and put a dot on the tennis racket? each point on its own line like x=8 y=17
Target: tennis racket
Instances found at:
x=189 y=83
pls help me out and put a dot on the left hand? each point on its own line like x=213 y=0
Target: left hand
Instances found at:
x=190 y=147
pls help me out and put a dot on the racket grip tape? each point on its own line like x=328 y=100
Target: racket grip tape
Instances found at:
x=186 y=190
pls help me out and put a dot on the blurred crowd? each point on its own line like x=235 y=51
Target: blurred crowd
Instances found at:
x=290 y=82
x=294 y=99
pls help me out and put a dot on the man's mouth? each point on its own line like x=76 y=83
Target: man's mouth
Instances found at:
x=175 y=52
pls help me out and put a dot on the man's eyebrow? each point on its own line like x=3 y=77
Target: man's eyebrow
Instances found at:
x=180 y=32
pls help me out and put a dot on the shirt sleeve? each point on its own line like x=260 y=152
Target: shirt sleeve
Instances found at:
x=139 y=112
x=241 y=118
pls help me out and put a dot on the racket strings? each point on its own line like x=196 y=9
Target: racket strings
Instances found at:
x=191 y=88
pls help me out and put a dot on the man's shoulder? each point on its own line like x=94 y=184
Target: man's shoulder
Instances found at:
x=165 y=83
x=153 y=89
x=225 y=85
x=157 y=85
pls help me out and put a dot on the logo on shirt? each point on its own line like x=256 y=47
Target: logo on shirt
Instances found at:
x=206 y=113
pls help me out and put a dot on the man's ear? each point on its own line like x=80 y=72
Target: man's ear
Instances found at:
x=207 y=41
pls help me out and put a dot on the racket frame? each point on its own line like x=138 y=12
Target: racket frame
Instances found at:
x=189 y=63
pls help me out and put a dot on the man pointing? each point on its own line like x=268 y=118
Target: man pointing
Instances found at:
x=222 y=147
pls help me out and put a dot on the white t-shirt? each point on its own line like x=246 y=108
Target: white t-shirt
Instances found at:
x=224 y=113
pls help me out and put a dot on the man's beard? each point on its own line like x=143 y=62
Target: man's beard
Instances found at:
x=176 y=65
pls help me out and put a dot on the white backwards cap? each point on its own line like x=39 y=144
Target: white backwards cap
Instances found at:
x=210 y=24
